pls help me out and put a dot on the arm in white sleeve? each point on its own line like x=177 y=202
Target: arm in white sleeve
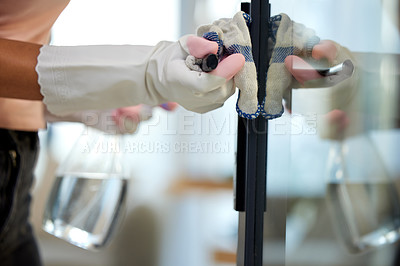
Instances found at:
x=81 y=78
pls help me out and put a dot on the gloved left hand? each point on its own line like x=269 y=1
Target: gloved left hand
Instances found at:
x=96 y=77
x=112 y=121
x=124 y=120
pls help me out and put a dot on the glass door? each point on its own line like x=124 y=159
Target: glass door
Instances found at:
x=330 y=193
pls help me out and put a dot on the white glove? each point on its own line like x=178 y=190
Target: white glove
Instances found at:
x=81 y=78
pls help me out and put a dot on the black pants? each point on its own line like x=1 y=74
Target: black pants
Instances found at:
x=18 y=153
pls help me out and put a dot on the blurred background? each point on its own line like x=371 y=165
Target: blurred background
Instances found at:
x=179 y=209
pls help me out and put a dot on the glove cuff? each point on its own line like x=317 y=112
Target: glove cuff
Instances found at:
x=79 y=78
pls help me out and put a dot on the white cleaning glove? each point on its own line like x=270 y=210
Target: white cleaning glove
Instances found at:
x=105 y=77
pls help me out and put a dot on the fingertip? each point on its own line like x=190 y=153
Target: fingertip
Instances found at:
x=115 y=115
x=229 y=66
x=200 y=47
x=300 y=69
x=289 y=62
x=169 y=106
x=325 y=49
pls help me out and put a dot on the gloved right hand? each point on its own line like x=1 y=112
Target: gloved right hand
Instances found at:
x=79 y=78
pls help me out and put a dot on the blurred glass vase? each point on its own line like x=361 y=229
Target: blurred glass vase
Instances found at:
x=86 y=202
x=362 y=197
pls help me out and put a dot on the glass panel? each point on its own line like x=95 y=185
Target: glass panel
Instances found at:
x=333 y=172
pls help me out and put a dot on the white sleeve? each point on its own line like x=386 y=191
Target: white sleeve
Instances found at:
x=81 y=78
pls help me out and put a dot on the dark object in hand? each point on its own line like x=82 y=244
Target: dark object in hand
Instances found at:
x=209 y=63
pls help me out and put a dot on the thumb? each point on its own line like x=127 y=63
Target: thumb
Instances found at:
x=200 y=47
x=300 y=69
x=325 y=49
x=229 y=66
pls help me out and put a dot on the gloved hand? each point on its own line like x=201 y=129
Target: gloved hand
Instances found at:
x=80 y=78
x=127 y=119
x=233 y=38
x=343 y=101
x=124 y=120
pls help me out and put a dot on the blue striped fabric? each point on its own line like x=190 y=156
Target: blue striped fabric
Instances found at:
x=233 y=49
x=240 y=49
x=269 y=116
x=273 y=27
x=278 y=56
x=280 y=53
x=247 y=18
x=246 y=115
x=213 y=36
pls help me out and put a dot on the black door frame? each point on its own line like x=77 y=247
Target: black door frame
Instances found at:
x=252 y=144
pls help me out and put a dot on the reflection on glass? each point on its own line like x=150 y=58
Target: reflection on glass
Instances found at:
x=362 y=192
x=363 y=200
